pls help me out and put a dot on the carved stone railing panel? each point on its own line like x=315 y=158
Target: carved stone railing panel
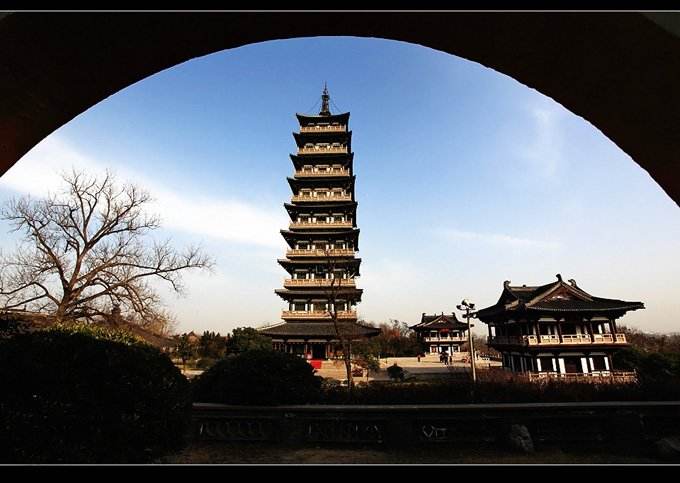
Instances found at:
x=345 y=431
x=235 y=429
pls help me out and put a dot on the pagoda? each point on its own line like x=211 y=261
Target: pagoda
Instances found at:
x=323 y=239
x=557 y=331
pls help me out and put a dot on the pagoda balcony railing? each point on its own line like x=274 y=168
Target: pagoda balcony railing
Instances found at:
x=320 y=252
x=595 y=376
x=319 y=282
x=458 y=338
x=339 y=128
x=317 y=314
x=321 y=224
x=333 y=197
x=323 y=150
x=308 y=173
x=567 y=339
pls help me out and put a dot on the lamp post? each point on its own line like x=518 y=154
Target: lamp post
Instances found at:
x=467 y=306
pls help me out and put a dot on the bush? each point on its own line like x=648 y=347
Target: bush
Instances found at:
x=74 y=396
x=395 y=372
x=259 y=378
x=510 y=391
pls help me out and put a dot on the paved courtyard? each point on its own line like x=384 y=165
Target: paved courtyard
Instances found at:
x=428 y=366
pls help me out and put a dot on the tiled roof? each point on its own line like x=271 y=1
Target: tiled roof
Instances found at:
x=439 y=322
x=318 y=329
x=553 y=297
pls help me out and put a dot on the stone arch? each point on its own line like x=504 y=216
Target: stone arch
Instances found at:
x=616 y=70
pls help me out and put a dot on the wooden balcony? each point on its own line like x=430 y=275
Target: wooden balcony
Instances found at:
x=567 y=339
x=306 y=173
x=323 y=150
x=320 y=252
x=594 y=377
x=321 y=224
x=319 y=282
x=334 y=197
x=340 y=128
x=317 y=314
x=446 y=339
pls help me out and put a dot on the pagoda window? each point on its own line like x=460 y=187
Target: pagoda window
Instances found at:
x=302 y=245
x=340 y=306
x=321 y=306
x=300 y=306
x=299 y=274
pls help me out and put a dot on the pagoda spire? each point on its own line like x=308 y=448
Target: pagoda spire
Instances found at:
x=325 y=110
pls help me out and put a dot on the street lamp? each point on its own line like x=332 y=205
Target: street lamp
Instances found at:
x=467 y=306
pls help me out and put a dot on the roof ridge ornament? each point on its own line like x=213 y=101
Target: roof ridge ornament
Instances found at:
x=559 y=277
x=573 y=282
x=325 y=109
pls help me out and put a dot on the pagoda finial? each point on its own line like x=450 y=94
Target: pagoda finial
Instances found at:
x=325 y=110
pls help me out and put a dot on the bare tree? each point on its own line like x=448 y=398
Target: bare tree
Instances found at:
x=345 y=331
x=84 y=252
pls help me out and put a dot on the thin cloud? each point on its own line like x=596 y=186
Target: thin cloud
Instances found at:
x=38 y=173
x=497 y=239
x=543 y=151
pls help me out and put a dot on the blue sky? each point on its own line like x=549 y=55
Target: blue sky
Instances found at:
x=465 y=178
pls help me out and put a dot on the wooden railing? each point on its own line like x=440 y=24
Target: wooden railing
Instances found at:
x=576 y=339
x=567 y=339
x=303 y=173
x=317 y=314
x=325 y=150
x=321 y=224
x=320 y=252
x=459 y=338
x=339 y=128
x=318 y=282
x=595 y=376
x=333 y=197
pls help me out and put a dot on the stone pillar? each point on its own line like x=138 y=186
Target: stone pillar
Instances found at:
x=584 y=365
x=538 y=364
x=554 y=364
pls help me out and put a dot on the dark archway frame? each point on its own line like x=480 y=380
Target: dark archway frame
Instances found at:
x=619 y=71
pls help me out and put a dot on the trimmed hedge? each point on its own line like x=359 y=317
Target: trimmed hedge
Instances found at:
x=73 y=396
x=259 y=378
x=461 y=392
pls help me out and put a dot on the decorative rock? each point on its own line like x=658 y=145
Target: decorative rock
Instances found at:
x=668 y=448
x=519 y=438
